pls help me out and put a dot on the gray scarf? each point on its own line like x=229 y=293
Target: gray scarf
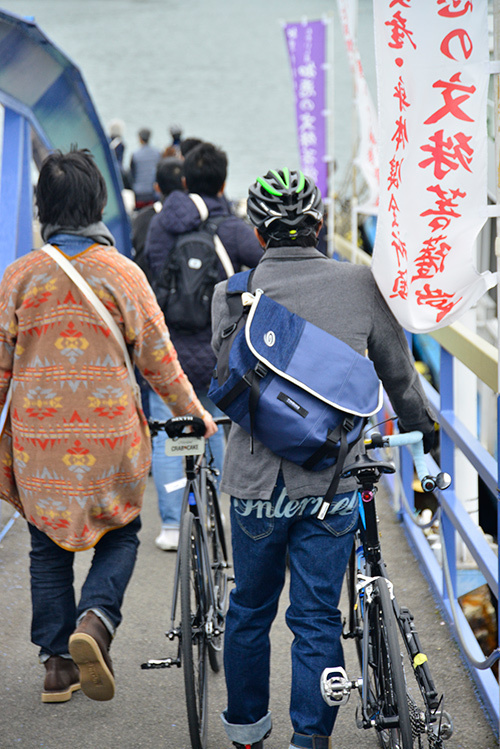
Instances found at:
x=99 y=232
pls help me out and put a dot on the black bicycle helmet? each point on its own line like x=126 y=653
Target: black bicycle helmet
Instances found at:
x=284 y=204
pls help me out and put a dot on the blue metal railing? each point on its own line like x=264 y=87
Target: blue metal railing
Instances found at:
x=456 y=522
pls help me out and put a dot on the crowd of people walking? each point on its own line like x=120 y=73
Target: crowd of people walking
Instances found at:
x=77 y=434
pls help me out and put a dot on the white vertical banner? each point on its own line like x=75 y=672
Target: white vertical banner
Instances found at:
x=432 y=77
x=367 y=157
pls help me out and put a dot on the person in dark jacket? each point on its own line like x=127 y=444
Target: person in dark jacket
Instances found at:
x=168 y=178
x=205 y=170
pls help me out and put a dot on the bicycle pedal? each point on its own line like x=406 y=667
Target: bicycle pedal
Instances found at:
x=336 y=687
x=161 y=663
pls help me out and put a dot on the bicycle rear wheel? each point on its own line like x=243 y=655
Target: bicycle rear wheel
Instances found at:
x=193 y=635
x=387 y=693
x=218 y=562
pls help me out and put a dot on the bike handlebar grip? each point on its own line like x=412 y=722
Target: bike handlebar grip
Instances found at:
x=404 y=438
x=427 y=481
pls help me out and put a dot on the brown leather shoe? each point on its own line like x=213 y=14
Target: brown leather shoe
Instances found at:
x=89 y=645
x=61 y=679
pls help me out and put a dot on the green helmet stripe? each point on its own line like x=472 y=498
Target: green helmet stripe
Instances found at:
x=270 y=189
x=285 y=179
x=302 y=182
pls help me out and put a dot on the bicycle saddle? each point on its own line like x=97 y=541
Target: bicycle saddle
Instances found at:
x=178 y=426
x=364 y=465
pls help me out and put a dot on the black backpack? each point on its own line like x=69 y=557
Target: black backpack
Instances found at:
x=185 y=288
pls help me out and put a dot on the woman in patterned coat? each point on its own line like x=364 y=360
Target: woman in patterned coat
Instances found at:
x=75 y=451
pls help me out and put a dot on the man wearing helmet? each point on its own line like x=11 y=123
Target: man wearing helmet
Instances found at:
x=273 y=500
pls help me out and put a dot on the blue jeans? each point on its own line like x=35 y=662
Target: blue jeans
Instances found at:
x=168 y=472
x=262 y=533
x=54 y=609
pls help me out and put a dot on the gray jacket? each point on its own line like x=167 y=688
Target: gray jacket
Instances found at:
x=344 y=300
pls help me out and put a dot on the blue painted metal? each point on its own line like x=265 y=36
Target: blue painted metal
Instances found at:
x=455 y=520
x=16 y=207
x=41 y=84
x=427 y=350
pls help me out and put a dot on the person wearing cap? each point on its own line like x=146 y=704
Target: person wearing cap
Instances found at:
x=142 y=175
x=274 y=501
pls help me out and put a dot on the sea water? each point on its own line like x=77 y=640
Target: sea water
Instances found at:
x=217 y=68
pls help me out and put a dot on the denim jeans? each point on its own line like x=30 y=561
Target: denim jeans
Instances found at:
x=54 y=608
x=262 y=533
x=168 y=472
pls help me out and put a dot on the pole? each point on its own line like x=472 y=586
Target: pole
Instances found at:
x=330 y=131
x=496 y=52
x=354 y=130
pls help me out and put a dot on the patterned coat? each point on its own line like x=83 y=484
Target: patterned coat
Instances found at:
x=75 y=451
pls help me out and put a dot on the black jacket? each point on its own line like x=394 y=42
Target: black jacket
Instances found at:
x=179 y=215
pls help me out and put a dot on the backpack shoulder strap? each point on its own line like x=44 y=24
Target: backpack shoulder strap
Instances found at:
x=219 y=247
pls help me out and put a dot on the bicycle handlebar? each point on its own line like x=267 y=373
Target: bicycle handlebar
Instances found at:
x=415 y=443
x=175 y=426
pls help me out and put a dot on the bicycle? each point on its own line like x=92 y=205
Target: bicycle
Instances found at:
x=201 y=578
x=401 y=711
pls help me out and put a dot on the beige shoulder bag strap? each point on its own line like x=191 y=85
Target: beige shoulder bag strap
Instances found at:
x=101 y=310
x=219 y=247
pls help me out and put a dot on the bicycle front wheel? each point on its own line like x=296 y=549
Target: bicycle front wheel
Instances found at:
x=387 y=687
x=193 y=634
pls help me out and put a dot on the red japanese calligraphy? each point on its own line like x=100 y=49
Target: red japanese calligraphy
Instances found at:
x=447 y=11
x=401 y=135
x=400 y=287
x=399 y=32
x=451 y=105
x=394 y=178
x=436 y=298
x=445 y=155
x=400 y=248
x=400 y=95
x=463 y=44
x=431 y=258
x=445 y=207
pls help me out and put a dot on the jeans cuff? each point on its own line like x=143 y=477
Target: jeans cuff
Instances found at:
x=301 y=741
x=44 y=657
x=247 y=733
x=104 y=619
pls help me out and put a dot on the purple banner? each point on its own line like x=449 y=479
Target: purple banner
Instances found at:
x=307 y=49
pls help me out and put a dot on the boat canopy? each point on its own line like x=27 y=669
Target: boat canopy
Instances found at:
x=47 y=106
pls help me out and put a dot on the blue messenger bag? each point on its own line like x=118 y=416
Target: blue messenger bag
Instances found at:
x=299 y=390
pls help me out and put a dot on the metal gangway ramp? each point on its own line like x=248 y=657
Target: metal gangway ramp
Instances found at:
x=148 y=710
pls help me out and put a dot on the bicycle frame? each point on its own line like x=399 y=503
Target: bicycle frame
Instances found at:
x=368 y=545
x=370 y=589
x=195 y=500
x=198 y=473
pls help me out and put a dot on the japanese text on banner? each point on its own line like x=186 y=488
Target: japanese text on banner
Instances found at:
x=307 y=48
x=432 y=74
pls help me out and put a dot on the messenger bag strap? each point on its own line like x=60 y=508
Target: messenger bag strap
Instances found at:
x=332 y=489
x=219 y=247
x=101 y=310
